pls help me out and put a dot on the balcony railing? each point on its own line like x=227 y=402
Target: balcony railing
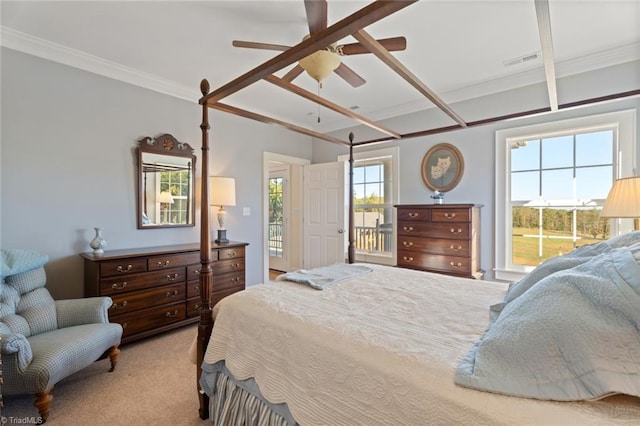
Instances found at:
x=370 y=239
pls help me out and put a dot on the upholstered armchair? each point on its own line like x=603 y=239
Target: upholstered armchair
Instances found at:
x=42 y=340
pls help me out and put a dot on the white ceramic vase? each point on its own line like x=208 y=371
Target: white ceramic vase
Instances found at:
x=98 y=243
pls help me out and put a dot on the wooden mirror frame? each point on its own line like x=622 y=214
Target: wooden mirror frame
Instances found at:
x=164 y=145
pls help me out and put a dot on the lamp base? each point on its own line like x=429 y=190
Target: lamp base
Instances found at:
x=222 y=237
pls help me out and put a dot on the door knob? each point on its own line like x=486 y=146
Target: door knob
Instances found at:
x=340 y=231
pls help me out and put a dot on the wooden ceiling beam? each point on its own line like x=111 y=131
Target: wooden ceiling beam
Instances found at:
x=546 y=43
x=590 y=101
x=269 y=120
x=385 y=56
x=366 y=16
x=297 y=90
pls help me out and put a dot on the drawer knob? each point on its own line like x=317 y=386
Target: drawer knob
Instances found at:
x=407 y=243
x=120 y=268
x=119 y=306
x=124 y=325
x=235 y=279
x=456 y=231
x=413 y=215
x=408 y=228
x=196 y=307
x=115 y=286
x=455 y=264
x=172 y=277
x=449 y=215
x=235 y=265
x=173 y=293
x=196 y=288
x=407 y=258
x=163 y=264
x=231 y=253
x=455 y=248
x=197 y=272
x=172 y=314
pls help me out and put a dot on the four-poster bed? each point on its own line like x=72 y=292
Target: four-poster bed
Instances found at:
x=321 y=36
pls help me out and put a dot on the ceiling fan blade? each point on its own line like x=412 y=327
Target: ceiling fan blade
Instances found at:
x=256 y=45
x=293 y=73
x=316 y=15
x=391 y=44
x=349 y=75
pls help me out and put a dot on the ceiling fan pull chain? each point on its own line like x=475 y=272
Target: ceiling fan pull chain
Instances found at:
x=318 y=105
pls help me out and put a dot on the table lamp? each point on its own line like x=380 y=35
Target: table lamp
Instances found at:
x=623 y=200
x=165 y=199
x=223 y=193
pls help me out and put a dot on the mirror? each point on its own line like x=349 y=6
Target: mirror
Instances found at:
x=166 y=180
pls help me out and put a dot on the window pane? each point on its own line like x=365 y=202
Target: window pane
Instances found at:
x=593 y=183
x=358 y=174
x=525 y=186
x=373 y=191
x=373 y=234
x=557 y=184
x=557 y=152
x=358 y=193
x=594 y=148
x=525 y=155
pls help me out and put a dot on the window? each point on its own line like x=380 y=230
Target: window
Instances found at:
x=176 y=182
x=552 y=181
x=375 y=187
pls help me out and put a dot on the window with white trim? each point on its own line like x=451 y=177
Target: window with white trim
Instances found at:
x=375 y=187
x=551 y=182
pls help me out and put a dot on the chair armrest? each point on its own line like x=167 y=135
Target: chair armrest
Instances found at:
x=90 y=310
x=17 y=344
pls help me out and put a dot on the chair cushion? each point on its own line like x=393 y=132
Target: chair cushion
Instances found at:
x=59 y=353
x=24 y=295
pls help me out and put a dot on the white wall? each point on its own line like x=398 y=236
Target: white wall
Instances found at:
x=68 y=164
x=477 y=145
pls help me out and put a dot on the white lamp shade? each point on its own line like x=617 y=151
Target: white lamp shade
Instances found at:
x=319 y=65
x=165 y=197
x=623 y=200
x=223 y=191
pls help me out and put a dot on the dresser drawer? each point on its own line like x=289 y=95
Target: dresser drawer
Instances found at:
x=231 y=253
x=226 y=266
x=449 y=264
x=135 y=300
x=446 y=247
x=193 y=308
x=172 y=260
x=435 y=230
x=406 y=214
x=229 y=281
x=122 y=267
x=111 y=286
x=450 y=215
x=149 y=319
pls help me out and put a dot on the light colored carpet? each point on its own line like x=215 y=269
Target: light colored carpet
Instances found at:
x=154 y=383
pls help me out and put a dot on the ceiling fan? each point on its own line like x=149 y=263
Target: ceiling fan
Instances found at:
x=322 y=63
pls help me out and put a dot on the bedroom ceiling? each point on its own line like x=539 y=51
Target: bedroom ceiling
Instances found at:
x=458 y=49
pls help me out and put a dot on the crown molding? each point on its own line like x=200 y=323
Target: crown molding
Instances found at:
x=45 y=49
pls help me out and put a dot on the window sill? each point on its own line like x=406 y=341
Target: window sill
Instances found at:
x=509 y=274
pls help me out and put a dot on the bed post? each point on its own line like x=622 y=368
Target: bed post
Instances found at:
x=206 y=274
x=352 y=249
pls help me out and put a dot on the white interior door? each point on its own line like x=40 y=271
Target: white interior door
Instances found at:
x=324 y=230
x=279 y=211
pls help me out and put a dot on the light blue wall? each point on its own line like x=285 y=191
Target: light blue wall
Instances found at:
x=477 y=144
x=68 y=164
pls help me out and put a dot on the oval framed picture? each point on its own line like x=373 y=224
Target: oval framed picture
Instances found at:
x=442 y=167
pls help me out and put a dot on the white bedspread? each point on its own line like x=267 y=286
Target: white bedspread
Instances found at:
x=380 y=349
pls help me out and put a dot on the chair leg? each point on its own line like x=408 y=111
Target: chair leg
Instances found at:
x=114 y=354
x=43 y=403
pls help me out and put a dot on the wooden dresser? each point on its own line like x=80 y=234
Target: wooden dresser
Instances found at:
x=157 y=289
x=442 y=238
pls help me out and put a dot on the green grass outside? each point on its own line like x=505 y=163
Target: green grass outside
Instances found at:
x=525 y=249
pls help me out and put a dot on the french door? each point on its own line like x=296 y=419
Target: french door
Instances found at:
x=279 y=207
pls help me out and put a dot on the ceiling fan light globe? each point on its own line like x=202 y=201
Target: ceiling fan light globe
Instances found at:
x=319 y=65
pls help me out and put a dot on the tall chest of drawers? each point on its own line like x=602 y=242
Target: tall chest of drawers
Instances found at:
x=157 y=289
x=443 y=238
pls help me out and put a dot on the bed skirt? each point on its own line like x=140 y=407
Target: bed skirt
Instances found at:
x=239 y=403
